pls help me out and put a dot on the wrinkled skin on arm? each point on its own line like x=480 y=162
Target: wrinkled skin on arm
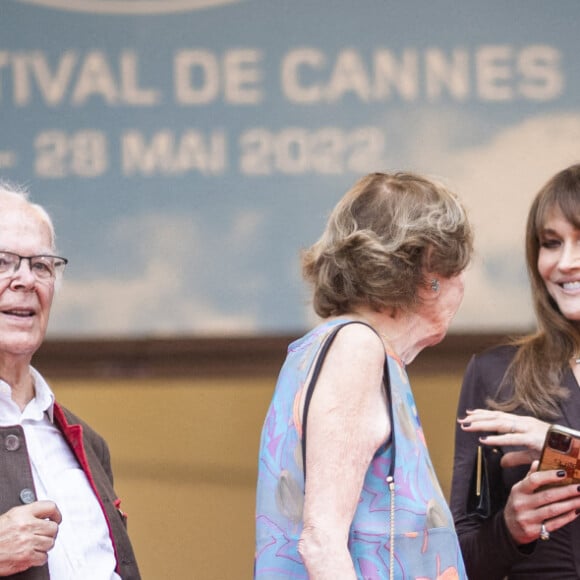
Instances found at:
x=347 y=422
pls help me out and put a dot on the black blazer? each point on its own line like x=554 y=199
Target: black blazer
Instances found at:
x=488 y=549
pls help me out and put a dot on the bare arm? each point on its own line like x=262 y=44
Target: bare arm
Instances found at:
x=27 y=534
x=347 y=422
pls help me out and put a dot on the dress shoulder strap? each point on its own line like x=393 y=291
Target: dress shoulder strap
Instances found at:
x=316 y=372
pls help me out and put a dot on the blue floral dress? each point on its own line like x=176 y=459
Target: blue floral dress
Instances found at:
x=425 y=542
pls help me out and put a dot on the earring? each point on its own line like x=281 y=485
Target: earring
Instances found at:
x=435 y=285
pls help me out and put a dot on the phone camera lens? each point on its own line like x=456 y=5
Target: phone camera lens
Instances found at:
x=560 y=442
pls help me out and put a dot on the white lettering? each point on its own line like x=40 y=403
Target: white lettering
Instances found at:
x=95 y=78
x=299 y=151
x=3 y=64
x=200 y=77
x=491 y=73
x=167 y=154
x=59 y=155
x=404 y=76
x=21 y=80
x=440 y=73
x=540 y=69
x=495 y=73
x=242 y=77
x=295 y=88
x=196 y=75
x=53 y=87
x=308 y=76
x=349 y=76
x=132 y=93
x=8 y=159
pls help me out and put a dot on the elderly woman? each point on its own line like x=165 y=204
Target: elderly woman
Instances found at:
x=346 y=488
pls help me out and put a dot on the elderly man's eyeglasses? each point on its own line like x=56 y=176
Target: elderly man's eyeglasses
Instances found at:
x=44 y=267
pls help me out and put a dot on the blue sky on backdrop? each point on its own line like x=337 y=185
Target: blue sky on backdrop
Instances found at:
x=188 y=149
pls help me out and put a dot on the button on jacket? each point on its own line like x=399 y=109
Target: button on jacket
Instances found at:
x=92 y=454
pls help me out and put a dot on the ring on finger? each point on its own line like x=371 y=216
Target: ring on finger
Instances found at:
x=544 y=534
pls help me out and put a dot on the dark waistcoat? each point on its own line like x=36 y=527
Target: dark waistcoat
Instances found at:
x=92 y=453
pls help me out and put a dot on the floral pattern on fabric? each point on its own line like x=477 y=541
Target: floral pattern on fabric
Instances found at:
x=426 y=545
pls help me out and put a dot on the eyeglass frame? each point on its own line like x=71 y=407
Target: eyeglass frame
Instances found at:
x=58 y=269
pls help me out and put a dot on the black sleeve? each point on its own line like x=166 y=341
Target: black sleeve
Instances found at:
x=487 y=546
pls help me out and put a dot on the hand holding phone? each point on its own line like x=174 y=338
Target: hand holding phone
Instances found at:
x=562 y=451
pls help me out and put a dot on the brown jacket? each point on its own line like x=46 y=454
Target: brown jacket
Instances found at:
x=92 y=453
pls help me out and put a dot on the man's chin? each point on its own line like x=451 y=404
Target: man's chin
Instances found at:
x=19 y=348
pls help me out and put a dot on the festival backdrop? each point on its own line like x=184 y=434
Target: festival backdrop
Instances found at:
x=188 y=149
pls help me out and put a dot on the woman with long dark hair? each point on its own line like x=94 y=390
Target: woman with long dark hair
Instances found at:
x=510 y=396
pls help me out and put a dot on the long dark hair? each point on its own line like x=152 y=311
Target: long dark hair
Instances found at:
x=536 y=371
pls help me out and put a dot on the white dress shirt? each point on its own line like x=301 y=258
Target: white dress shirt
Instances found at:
x=83 y=548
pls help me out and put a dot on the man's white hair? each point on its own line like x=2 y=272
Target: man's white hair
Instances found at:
x=11 y=192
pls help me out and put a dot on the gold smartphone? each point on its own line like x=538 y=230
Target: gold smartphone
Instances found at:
x=562 y=451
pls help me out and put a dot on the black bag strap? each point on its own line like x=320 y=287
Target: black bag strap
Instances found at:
x=310 y=390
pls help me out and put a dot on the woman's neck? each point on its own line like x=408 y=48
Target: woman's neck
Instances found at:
x=397 y=329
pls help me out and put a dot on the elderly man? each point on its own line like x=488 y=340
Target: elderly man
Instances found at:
x=59 y=515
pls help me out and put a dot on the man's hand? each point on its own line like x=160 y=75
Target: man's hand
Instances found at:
x=27 y=533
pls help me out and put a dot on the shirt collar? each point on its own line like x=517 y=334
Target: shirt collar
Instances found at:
x=39 y=408
x=44 y=397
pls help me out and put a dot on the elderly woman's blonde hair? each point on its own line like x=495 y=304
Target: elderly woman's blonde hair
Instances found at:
x=390 y=234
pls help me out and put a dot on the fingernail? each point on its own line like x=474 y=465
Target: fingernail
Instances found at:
x=561 y=473
x=483 y=438
x=578 y=488
x=466 y=424
x=578 y=511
